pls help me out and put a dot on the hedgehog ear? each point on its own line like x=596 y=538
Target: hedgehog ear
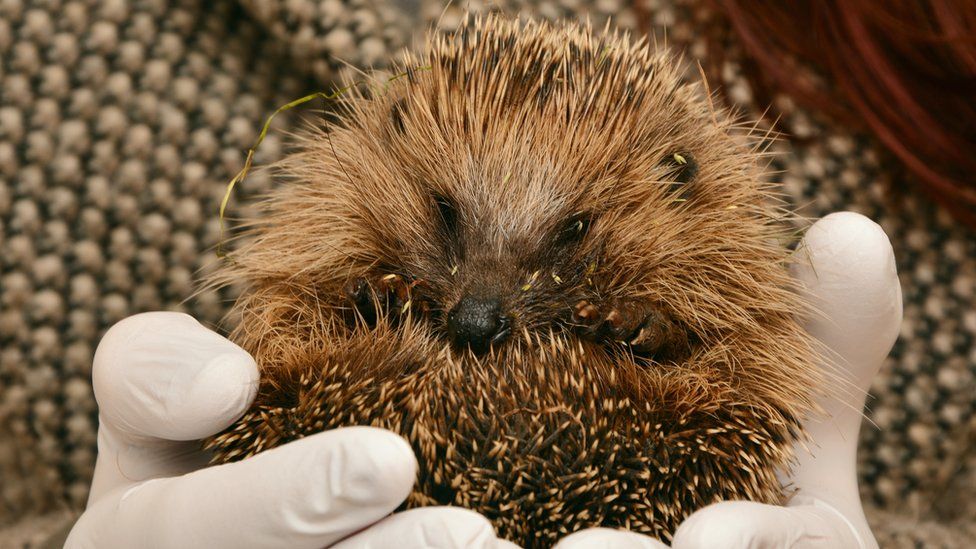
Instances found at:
x=684 y=169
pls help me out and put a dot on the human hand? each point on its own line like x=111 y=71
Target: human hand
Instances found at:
x=846 y=264
x=163 y=382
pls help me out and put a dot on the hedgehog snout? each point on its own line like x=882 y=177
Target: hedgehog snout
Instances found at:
x=477 y=322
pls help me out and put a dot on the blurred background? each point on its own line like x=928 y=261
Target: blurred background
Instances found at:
x=121 y=123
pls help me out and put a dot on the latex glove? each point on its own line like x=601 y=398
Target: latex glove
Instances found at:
x=846 y=264
x=162 y=382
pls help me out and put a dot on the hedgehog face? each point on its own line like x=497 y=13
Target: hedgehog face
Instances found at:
x=485 y=268
x=550 y=265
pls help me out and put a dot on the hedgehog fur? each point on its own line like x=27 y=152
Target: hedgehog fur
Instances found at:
x=646 y=360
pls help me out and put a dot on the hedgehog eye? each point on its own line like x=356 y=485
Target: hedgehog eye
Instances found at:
x=448 y=219
x=574 y=229
x=448 y=216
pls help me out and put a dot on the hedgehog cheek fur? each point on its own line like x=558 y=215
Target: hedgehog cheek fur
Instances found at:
x=550 y=266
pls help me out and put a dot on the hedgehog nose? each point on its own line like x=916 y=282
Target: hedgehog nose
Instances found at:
x=477 y=322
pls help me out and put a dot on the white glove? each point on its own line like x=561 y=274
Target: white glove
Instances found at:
x=162 y=382
x=846 y=263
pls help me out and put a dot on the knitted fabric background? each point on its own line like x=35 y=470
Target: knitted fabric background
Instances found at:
x=121 y=122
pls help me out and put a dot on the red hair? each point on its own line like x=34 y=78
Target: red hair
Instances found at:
x=903 y=69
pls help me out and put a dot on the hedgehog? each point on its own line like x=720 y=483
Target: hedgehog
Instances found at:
x=552 y=265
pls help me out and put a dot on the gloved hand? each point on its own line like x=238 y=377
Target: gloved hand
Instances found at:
x=846 y=264
x=162 y=382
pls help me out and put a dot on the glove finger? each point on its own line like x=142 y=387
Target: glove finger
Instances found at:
x=746 y=525
x=848 y=268
x=433 y=527
x=164 y=376
x=308 y=493
x=606 y=538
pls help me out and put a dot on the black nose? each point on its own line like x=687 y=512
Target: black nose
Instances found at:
x=477 y=322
